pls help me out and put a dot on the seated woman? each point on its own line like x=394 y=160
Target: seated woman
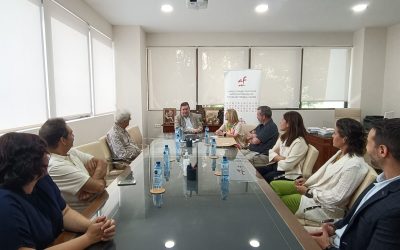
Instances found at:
x=287 y=156
x=232 y=127
x=329 y=189
x=32 y=210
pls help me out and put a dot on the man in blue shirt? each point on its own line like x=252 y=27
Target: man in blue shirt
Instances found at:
x=374 y=220
x=262 y=138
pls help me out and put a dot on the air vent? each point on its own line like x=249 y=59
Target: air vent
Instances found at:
x=197 y=4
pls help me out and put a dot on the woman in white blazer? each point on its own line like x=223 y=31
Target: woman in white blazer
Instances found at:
x=287 y=156
x=327 y=192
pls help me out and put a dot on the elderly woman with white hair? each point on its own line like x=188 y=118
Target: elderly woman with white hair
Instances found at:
x=121 y=144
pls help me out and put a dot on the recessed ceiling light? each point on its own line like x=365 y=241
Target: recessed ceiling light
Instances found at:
x=169 y=244
x=254 y=243
x=167 y=8
x=359 y=7
x=261 y=8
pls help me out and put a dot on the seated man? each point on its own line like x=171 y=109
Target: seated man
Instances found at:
x=262 y=138
x=189 y=122
x=121 y=144
x=374 y=220
x=79 y=176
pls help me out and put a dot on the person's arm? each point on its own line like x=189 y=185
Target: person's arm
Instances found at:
x=177 y=123
x=297 y=153
x=221 y=130
x=274 y=151
x=347 y=183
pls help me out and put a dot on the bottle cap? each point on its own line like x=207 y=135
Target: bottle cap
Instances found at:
x=158 y=162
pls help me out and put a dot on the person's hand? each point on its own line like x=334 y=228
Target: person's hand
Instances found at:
x=94 y=232
x=278 y=158
x=301 y=189
x=108 y=230
x=329 y=228
x=323 y=239
x=300 y=181
x=83 y=196
x=91 y=166
x=219 y=132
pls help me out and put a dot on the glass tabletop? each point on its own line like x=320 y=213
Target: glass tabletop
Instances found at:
x=207 y=212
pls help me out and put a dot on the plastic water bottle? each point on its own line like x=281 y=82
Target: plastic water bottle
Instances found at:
x=157 y=175
x=213 y=164
x=206 y=135
x=177 y=134
x=178 y=150
x=185 y=162
x=166 y=165
x=225 y=169
x=166 y=148
x=224 y=188
x=213 y=147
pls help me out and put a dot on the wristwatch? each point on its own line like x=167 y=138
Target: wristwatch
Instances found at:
x=224 y=134
x=308 y=193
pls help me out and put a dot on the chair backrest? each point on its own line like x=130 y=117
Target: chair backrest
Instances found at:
x=309 y=161
x=136 y=135
x=92 y=148
x=247 y=128
x=105 y=148
x=369 y=178
x=354 y=113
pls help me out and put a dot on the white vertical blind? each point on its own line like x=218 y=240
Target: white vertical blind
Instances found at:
x=171 y=76
x=22 y=76
x=213 y=61
x=281 y=73
x=325 y=74
x=70 y=50
x=103 y=73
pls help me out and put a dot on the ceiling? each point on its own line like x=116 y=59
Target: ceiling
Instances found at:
x=239 y=15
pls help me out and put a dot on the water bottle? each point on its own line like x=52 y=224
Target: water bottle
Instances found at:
x=213 y=164
x=166 y=165
x=166 y=148
x=213 y=147
x=157 y=200
x=225 y=169
x=157 y=176
x=185 y=162
x=177 y=135
x=206 y=135
x=224 y=188
x=178 y=150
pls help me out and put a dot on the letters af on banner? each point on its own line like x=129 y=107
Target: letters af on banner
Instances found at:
x=242 y=88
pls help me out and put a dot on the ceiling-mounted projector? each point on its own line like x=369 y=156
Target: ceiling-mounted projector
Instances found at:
x=197 y=4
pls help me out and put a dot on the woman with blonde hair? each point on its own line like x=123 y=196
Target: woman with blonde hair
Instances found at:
x=232 y=127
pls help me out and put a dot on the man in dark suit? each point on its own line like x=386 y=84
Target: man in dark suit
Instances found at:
x=374 y=220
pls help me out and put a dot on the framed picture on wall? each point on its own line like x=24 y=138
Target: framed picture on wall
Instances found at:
x=211 y=116
x=169 y=116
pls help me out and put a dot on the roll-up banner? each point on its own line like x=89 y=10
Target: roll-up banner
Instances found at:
x=242 y=88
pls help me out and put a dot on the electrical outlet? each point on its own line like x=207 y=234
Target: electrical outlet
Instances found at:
x=157 y=125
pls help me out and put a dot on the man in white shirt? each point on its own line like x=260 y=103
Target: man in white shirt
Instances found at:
x=79 y=176
x=374 y=220
x=189 y=122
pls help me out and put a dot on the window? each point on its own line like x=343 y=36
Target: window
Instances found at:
x=325 y=80
x=172 y=77
x=281 y=70
x=22 y=74
x=70 y=55
x=212 y=64
x=103 y=73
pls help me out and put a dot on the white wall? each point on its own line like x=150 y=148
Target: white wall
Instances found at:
x=129 y=69
x=86 y=129
x=391 y=91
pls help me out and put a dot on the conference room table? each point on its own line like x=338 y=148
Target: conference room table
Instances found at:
x=205 y=213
